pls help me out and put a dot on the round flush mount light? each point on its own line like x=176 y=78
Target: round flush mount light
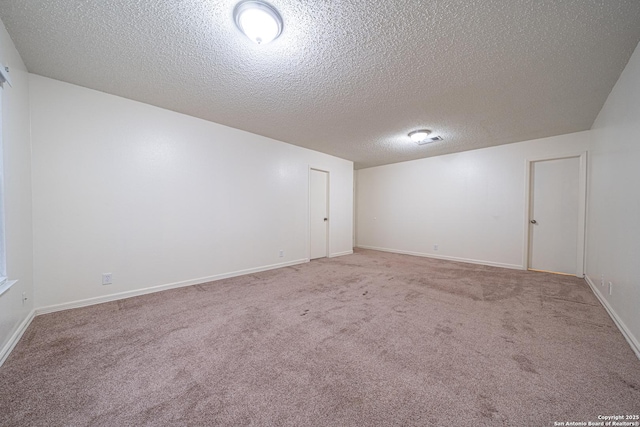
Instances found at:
x=419 y=135
x=258 y=20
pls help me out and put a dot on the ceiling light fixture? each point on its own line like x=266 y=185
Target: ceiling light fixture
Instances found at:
x=419 y=135
x=258 y=20
x=423 y=136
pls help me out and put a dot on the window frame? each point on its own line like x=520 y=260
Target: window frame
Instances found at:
x=5 y=283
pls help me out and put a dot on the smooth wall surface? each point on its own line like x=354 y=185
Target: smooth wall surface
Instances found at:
x=470 y=204
x=613 y=226
x=156 y=197
x=17 y=192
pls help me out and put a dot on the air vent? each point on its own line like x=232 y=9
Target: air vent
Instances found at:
x=430 y=140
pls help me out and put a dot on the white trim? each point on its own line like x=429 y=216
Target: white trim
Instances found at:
x=337 y=254
x=582 y=207
x=6 y=350
x=153 y=289
x=327 y=252
x=9 y=346
x=582 y=216
x=445 y=257
x=4 y=75
x=626 y=333
x=328 y=197
x=354 y=223
x=308 y=242
x=6 y=285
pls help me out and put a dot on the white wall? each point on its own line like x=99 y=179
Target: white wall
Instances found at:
x=613 y=219
x=471 y=204
x=156 y=197
x=17 y=194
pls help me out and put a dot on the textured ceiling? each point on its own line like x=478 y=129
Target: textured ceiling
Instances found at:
x=346 y=77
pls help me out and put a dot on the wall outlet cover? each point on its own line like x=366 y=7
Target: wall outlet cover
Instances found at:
x=107 y=278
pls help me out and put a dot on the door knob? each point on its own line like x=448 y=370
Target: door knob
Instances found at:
x=326 y=219
x=533 y=221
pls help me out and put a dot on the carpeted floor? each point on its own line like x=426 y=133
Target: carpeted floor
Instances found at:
x=370 y=339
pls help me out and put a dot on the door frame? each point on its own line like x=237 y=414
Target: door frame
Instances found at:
x=309 y=210
x=582 y=207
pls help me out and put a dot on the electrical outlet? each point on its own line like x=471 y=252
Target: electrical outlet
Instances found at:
x=435 y=247
x=602 y=280
x=281 y=253
x=610 y=288
x=107 y=278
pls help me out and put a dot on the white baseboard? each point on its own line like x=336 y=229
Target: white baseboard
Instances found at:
x=633 y=341
x=341 y=254
x=8 y=347
x=152 y=289
x=445 y=257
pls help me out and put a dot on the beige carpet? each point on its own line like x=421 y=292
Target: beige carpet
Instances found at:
x=370 y=339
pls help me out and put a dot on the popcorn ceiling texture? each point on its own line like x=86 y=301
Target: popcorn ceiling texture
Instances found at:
x=349 y=78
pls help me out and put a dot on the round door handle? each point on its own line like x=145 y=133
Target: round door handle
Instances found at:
x=326 y=219
x=533 y=221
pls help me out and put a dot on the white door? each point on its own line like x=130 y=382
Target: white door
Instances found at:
x=554 y=215
x=319 y=215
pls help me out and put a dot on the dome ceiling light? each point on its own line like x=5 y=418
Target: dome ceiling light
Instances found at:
x=258 y=20
x=423 y=136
